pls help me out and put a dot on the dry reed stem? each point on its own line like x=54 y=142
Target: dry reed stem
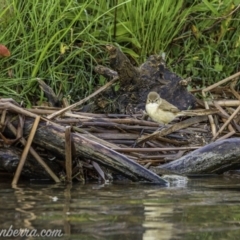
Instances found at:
x=173 y=128
x=234 y=92
x=25 y=151
x=51 y=116
x=210 y=117
x=230 y=127
x=99 y=170
x=3 y=117
x=225 y=103
x=12 y=107
x=226 y=135
x=213 y=126
x=154 y=149
x=35 y=155
x=219 y=107
x=225 y=80
x=68 y=151
x=227 y=122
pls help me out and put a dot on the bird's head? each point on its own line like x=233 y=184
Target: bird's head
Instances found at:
x=153 y=97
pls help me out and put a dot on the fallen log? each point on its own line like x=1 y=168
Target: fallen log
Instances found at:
x=52 y=138
x=212 y=158
x=9 y=159
x=216 y=157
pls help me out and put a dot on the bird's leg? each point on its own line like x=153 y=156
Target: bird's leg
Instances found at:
x=141 y=133
x=161 y=127
x=135 y=143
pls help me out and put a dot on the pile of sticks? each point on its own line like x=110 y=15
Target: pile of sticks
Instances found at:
x=139 y=140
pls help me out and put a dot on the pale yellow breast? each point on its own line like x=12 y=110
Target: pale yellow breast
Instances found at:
x=159 y=115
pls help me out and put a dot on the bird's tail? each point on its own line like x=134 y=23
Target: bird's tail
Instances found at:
x=198 y=112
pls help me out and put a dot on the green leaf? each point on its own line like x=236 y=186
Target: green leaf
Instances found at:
x=130 y=52
x=218 y=67
x=122 y=28
x=134 y=41
x=102 y=80
x=211 y=7
x=116 y=87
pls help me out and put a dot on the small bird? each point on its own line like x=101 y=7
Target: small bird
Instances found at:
x=161 y=111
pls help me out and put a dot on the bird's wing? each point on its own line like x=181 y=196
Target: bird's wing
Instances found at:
x=166 y=106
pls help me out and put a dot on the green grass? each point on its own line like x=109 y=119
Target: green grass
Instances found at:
x=49 y=41
x=61 y=41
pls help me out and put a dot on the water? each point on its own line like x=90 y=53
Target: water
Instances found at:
x=204 y=209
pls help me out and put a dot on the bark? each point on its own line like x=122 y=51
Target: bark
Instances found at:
x=52 y=138
x=216 y=157
x=9 y=159
x=136 y=82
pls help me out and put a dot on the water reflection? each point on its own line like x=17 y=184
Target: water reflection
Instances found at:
x=205 y=208
x=25 y=208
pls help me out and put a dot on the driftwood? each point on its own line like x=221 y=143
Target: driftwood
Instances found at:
x=124 y=142
x=51 y=137
x=213 y=158
x=136 y=82
x=217 y=157
x=9 y=159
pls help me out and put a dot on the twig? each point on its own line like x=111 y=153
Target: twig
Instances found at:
x=51 y=116
x=173 y=128
x=2 y=121
x=25 y=151
x=35 y=155
x=234 y=92
x=213 y=126
x=227 y=122
x=154 y=149
x=210 y=117
x=226 y=135
x=230 y=127
x=99 y=170
x=68 y=151
x=225 y=103
x=7 y=105
x=52 y=98
x=225 y=80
